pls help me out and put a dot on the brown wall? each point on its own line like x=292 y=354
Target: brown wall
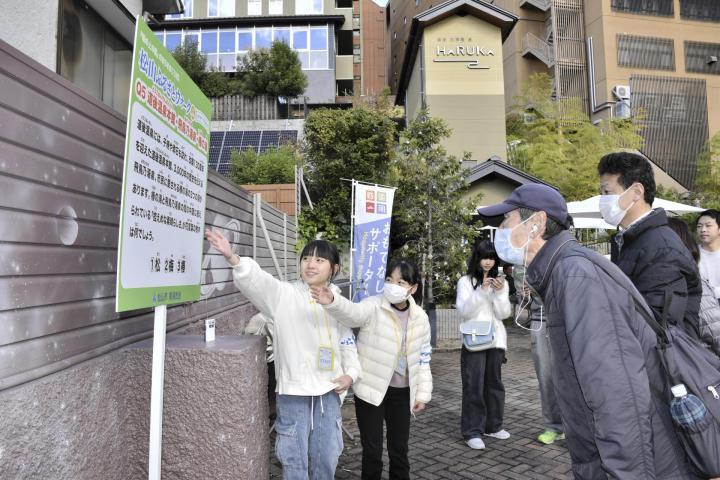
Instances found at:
x=372 y=33
x=281 y=196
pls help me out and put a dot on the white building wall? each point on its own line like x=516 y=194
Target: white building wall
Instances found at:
x=31 y=27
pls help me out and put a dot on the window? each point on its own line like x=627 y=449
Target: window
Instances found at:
x=263 y=38
x=344 y=88
x=276 y=7
x=281 y=35
x=173 y=40
x=663 y=8
x=254 y=7
x=343 y=3
x=702 y=57
x=345 y=42
x=245 y=40
x=191 y=37
x=318 y=48
x=303 y=7
x=226 y=49
x=186 y=14
x=707 y=10
x=93 y=56
x=300 y=39
x=645 y=52
x=221 y=8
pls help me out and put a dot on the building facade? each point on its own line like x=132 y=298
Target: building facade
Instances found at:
x=453 y=68
x=328 y=36
x=656 y=60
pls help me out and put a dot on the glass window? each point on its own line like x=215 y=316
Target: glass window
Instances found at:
x=191 y=37
x=308 y=6
x=227 y=62
x=227 y=41
x=209 y=42
x=700 y=10
x=282 y=35
x=645 y=52
x=318 y=60
x=662 y=8
x=172 y=40
x=263 y=38
x=212 y=59
x=699 y=57
x=244 y=41
x=186 y=14
x=276 y=7
x=300 y=40
x=304 y=59
x=160 y=36
x=221 y=8
x=254 y=7
x=318 y=39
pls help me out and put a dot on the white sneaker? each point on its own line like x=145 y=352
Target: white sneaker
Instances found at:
x=501 y=435
x=476 y=443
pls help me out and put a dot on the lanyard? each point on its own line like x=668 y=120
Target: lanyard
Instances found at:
x=317 y=323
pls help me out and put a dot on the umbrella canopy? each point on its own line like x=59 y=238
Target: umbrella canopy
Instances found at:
x=590 y=208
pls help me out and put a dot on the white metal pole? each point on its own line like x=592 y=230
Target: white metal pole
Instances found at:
x=156 y=393
x=352 y=237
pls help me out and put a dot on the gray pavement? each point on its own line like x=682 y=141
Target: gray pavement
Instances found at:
x=437 y=450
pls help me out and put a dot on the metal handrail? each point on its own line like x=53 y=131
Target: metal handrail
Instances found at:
x=539 y=47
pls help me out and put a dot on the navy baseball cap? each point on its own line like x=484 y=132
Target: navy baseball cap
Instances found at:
x=533 y=196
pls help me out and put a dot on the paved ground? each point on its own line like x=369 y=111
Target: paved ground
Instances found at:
x=437 y=450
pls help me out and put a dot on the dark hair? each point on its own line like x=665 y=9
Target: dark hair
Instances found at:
x=409 y=272
x=683 y=231
x=631 y=168
x=712 y=213
x=552 y=227
x=323 y=249
x=483 y=249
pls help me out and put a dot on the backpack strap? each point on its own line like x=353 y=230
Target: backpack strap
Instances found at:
x=640 y=305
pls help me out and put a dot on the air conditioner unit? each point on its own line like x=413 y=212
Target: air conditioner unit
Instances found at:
x=621 y=91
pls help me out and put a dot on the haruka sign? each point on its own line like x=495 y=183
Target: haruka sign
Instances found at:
x=164 y=182
x=461 y=50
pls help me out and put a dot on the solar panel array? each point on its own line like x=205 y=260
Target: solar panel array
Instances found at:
x=222 y=143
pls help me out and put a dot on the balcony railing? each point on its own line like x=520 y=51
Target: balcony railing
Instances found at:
x=539 y=48
x=543 y=5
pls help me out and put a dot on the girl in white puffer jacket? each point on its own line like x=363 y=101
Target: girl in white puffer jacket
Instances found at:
x=394 y=350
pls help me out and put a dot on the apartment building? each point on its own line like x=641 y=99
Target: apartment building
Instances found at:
x=329 y=36
x=655 y=59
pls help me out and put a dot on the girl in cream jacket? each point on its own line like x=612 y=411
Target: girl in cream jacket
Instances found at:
x=394 y=349
x=315 y=357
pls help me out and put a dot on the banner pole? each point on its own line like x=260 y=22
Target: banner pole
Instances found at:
x=352 y=237
x=156 y=393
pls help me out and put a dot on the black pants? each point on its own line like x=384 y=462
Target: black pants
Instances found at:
x=395 y=411
x=483 y=393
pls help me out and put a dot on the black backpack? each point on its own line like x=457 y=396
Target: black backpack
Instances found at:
x=687 y=361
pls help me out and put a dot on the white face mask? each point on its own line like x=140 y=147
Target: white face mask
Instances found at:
x=394 y=293
x=610 y=208
x=506 y=250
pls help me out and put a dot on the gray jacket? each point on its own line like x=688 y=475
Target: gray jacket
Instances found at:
x=709 y=320
x=607 y=374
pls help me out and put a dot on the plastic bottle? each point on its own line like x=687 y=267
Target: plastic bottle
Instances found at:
x=686 y=409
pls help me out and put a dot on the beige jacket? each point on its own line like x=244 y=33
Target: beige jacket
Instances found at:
x=379 y=345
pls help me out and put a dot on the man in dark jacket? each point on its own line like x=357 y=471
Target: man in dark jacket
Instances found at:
x=607 y=373
x=649 y=252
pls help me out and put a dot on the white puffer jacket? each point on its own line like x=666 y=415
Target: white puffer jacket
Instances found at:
x=483 y=303
x=378 y=346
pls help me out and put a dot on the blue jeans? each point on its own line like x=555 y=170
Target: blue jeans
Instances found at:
x=309 y=436
x=540 y=348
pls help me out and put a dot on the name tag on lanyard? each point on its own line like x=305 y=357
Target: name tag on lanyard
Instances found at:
x=326 y=358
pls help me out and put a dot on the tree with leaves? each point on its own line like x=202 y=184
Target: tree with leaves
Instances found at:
x=431 y=221
x=556 y=142
x=707 y=182
x=355 y=143
x=276 y=71
x=211 y=82
x=273 y=166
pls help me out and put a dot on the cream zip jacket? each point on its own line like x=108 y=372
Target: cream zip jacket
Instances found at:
x=379 y=344
x=300 y=326
x=483 y=303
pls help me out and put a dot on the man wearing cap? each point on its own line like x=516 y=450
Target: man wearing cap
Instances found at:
x=607 y=374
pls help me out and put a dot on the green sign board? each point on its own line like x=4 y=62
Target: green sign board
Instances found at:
x=164 y=183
